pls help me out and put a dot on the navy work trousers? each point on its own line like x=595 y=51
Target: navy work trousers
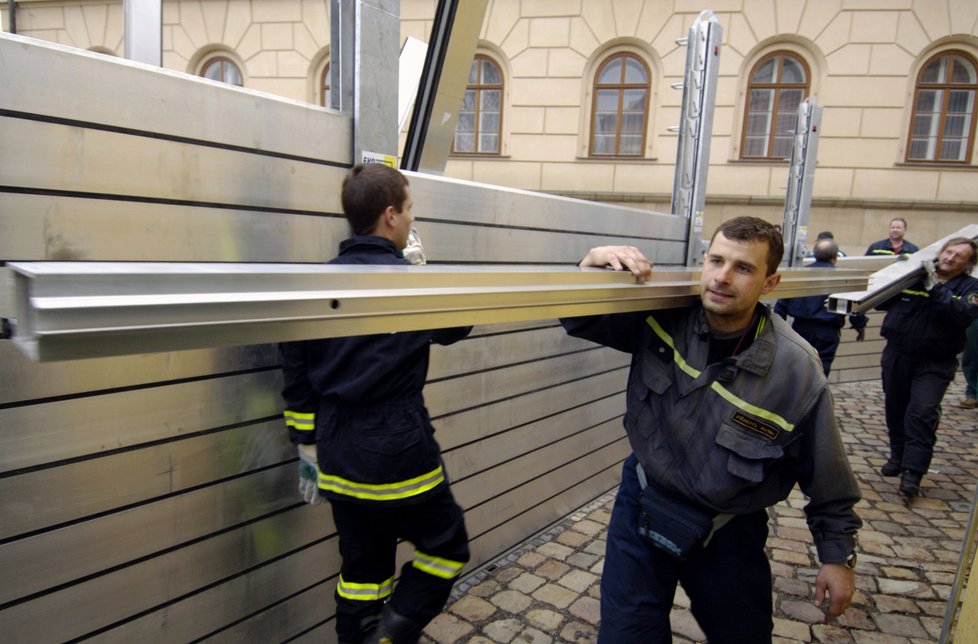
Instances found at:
x=368 y=545
x=913 y=390
x=728 y=581
x=823 y=336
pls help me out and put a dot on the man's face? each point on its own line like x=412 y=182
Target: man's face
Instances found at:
x=403 y=220
x=897 y=230
x=734 y=279
x=953 y=260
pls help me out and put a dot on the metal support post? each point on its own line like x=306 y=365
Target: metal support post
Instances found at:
x=365 y=47
x=801 y=176
x=144 y=31
x=695 y=128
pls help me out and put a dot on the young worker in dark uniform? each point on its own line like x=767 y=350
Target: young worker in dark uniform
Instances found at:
x=924 y=329
x=812 y=321
x=358 y=401
x=895 y=244
x=726 y=410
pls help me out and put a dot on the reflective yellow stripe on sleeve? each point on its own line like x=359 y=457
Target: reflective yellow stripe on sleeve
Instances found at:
x=364 y=592
x=724 y=393
x=383 y=491
x=444 y=568
x=300 y=421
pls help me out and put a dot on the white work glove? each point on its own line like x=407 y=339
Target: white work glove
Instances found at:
x=414 y=252
x=309 y=475
x=930 y=274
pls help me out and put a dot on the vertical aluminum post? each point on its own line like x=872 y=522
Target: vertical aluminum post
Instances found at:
x=801 y=176
x=364 y=50
x=695 y=129
x=341 y=55
x=143 y=22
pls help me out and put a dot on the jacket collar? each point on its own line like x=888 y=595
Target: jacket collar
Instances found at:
x=759 y=356
x=369 y=244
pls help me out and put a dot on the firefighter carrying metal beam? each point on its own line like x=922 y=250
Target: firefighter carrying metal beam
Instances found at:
x=359 y=401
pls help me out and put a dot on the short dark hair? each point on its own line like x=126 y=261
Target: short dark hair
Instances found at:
x=826 y=250
x=900 y=219
x=367 y=191
x=825 y=234
x=753 y=229
x=970 y=266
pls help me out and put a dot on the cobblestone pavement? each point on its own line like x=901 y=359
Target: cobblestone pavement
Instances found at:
x=547 y=589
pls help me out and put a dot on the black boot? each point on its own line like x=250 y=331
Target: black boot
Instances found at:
x=891 y=468
x=394 y=629
x=910 y=483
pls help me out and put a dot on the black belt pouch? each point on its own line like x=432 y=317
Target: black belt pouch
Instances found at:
x=672 y=523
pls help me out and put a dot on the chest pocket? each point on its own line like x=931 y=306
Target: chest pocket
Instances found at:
x=748 y=454
x=657 y=365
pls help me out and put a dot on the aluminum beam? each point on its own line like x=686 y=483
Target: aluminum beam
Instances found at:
x=69 y=310
x=887 y=282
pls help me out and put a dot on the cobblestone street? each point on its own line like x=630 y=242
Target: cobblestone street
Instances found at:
x=547 y=590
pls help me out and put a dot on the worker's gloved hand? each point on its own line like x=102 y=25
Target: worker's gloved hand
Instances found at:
x=860 y=334
x=930 y=274
x=309 y=475
x=414 y=252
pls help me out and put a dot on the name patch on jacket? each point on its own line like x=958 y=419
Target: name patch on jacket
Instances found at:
x=752 y=424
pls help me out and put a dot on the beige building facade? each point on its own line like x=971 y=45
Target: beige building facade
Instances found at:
x=897 y=81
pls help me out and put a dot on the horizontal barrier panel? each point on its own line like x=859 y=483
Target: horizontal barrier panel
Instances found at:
x=95 y=486
x=81 y=427
x=116 y=93
x=92 y=604
x=49 y=560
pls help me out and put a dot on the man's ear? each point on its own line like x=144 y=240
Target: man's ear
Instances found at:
x=770 y=282
x=387 y=217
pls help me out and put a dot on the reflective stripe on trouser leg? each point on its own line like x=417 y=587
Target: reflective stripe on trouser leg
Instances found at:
x=364 y=592
x=444 y=568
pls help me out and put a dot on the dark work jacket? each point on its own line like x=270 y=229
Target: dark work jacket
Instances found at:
x=359 y=399
x=812 y=307
x=734 y=436
x=884 y=247
x=922 y=325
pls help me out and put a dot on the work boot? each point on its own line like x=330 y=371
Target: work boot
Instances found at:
x=394 y=629
x=890 y=468
x=910 y=483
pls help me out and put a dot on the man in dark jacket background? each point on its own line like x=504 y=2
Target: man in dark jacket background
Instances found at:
x=359 y=401
x=895 y=244
x=924 y=329
x=812 y=321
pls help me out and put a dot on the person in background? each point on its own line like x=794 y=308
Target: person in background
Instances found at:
x=924 y=329
x=812 y=321
x=895 y=244
x=969 y=366
x=827 y=234
x=726 y=410
x=355 y=410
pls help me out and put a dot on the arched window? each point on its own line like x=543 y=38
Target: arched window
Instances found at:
x=620 y=109
x=324 y=87
x=943 y=123
x=776 y=87
x=222 y=69
x=480 y=119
